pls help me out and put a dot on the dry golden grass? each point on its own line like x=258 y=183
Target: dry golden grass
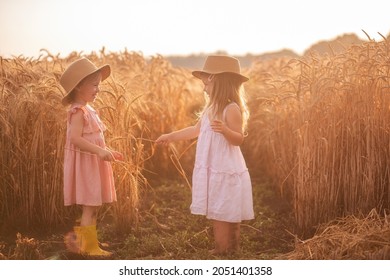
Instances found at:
x=348 y=238
x=319 y=128
x=324 y=128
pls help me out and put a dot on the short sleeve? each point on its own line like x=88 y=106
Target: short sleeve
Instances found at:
x=91 y=122
x=74 y=109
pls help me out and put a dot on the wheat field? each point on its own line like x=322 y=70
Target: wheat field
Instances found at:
x=319 y=130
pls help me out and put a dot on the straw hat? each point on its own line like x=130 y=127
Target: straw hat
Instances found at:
x=217 y=64
x=77 y=71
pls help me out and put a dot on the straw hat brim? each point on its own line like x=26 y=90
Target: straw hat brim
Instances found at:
x=198 y=74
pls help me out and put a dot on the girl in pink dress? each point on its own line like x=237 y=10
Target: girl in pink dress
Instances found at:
x=221 y=185
x=88 y=177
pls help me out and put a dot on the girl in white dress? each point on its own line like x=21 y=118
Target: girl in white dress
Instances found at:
x=221 y=185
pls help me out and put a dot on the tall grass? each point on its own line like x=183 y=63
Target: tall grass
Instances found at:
x=325 y=131
x=32 y=137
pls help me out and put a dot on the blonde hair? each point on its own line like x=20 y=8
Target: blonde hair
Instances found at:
x=227 y=88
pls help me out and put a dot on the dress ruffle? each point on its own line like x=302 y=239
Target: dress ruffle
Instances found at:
x=226 y=197
x=92 y=122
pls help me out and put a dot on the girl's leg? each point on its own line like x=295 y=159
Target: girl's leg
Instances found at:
x=222 y=237
x=235 y=236
x=226 y=236
x=88 y=217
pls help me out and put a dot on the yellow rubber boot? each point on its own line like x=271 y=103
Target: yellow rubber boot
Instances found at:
x=84 y=241
x=90 y=244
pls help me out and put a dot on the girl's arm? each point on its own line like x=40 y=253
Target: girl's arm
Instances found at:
x=76 y=138
x=183 y=134
x=232 y=129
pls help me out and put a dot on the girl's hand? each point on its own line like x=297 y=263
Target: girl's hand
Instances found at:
x=218 y=126
x=163 y=139
x=106 y=155
x=118 y=155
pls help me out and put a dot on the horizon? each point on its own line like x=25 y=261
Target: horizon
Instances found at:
x=195 y=54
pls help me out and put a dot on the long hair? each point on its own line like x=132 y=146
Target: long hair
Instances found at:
x=227 y=88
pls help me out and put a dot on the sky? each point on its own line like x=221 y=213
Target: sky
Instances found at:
x=183 y=27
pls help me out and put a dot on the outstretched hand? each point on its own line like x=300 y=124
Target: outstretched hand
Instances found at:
x=163 y=140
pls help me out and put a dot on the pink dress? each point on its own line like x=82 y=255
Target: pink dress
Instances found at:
x=88 y=180
x=221 y=185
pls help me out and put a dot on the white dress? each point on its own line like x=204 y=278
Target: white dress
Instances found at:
x=221 y=185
